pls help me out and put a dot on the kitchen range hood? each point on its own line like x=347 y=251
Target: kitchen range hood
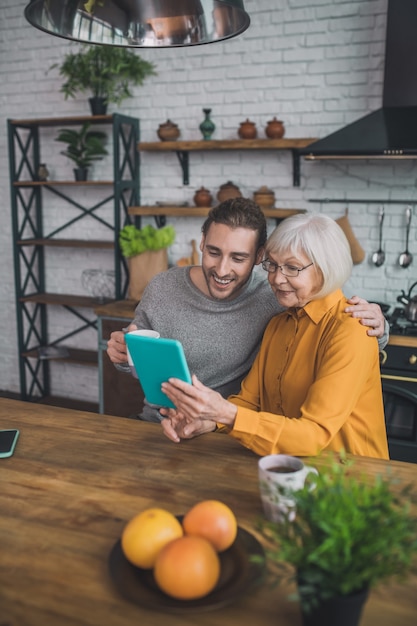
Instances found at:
x=389 y=132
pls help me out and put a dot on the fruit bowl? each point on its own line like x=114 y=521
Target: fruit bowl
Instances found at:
x=238 y=574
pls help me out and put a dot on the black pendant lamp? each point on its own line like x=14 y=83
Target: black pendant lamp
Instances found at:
x=140 y=23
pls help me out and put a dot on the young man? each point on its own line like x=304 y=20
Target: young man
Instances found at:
x=219 y=310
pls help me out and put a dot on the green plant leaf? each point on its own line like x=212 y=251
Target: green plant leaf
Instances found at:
x=104 y=71
x=83 y=146
x=134 y=241
x=349 y=533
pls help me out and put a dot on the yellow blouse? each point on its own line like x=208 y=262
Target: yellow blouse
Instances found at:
x=315 y=385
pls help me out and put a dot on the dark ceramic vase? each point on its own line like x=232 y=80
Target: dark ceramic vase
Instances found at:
x=98 y=105
x=338 y=611
x=207 y=126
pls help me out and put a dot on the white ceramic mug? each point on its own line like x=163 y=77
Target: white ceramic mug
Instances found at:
x=279 y=476
x=144 y=333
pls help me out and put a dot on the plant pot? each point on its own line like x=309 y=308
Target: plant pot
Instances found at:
x=98 y=105
x=143 y=267
x=81 y=173
x=337 y=611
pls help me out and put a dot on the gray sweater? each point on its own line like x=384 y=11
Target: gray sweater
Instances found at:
x=220 y=338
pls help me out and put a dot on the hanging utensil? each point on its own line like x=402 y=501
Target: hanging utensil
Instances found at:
x=406 y=257
x=378 y=257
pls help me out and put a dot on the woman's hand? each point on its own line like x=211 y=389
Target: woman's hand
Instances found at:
x=198 y=402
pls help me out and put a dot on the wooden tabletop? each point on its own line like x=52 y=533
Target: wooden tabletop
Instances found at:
x=76 y=478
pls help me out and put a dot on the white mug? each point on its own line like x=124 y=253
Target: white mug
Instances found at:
x=144 y=333
x=279 y=476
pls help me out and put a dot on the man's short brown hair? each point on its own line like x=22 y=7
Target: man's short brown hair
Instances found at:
x=238 y=213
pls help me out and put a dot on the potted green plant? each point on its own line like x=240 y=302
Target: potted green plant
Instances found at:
x=350 y=533
x=83 y=147
x=146 y=251
x=107 y=72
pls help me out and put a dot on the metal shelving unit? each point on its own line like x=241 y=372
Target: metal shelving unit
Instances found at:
x=30 y=241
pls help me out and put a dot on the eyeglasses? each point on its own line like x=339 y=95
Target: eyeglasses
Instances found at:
x=286 y=270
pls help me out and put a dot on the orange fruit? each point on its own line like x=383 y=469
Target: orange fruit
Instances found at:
x=213 y=520
x=147 y=533
x=187 y=568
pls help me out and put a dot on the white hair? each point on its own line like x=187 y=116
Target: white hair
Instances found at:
x=322 y=240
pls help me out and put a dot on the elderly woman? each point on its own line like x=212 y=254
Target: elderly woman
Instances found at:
x=315 y=384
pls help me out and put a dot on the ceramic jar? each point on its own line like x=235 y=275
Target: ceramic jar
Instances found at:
x=247 y=130
x=228 y=191
x=265 y=197
x=203 y=197
x=43 y=172
x=274 y=129
x=168 y=131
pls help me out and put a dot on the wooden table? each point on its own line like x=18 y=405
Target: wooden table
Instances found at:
x=76 y=478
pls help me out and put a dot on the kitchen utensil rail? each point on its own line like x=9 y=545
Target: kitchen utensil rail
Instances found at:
x=360 y=201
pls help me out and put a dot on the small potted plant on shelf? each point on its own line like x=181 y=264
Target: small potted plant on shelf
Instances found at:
x=84 y=147
x=107 y=72
x=146 y=251
x=350 y=533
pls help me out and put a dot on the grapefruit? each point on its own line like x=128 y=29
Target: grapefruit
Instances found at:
x=214 y=521
x=147 y=533
x=187 y=568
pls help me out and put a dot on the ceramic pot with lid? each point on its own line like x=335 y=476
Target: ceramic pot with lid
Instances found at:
x=247 y=130
x=265 y=197
x=274 y=129
x=228 y=191
x=168 y=131
x=410 y=304
x=203 y=197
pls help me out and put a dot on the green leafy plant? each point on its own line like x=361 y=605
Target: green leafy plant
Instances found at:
x=104 y=71
x=349 y=534
x=134 y=241
x=84 y=145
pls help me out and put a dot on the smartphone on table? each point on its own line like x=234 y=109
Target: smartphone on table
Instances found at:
x=8 y=440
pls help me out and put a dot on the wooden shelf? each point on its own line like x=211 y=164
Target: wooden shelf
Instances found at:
x=118 y=309
x=61 y=121
x=75 y=355
x=183 y=148
x=158 y=211
x=225 y=144
x=60 y=299
x=57 y=183
x=31 y=243
x=67 y=243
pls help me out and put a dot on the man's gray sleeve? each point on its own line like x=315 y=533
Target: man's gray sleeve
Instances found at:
x=382 y=341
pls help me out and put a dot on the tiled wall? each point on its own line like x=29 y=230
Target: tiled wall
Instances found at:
x=315 y=64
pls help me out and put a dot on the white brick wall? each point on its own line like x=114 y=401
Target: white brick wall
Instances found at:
x=315 y=64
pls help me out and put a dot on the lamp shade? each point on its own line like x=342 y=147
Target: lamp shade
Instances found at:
x=140 y=23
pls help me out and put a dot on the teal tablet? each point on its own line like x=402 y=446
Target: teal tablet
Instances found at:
x=155 y=361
